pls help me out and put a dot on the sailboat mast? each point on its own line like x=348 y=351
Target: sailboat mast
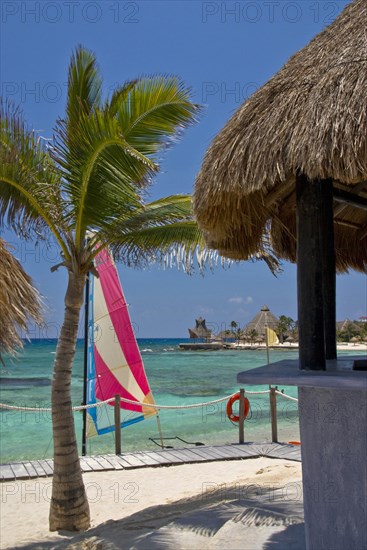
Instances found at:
x=85 y=375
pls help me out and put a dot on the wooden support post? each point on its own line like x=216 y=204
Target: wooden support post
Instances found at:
x=117 y=425
x=273 y=414
x=328 y=269
x=241 y=423
x=309 y=274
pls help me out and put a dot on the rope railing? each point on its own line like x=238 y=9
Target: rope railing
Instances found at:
x=150 y=405
x=117 y=399
x=286 y=396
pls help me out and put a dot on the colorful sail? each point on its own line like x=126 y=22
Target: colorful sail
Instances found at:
x=115 y=366
x=271 y=336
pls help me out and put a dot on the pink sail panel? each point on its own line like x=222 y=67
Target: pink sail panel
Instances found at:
x=111 y=386
x=118 y=363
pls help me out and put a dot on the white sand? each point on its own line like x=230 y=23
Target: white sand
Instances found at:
x=238 y=504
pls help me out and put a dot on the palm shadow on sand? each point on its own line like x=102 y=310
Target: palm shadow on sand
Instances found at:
x=239 y=517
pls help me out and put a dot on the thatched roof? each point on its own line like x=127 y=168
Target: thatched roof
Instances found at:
x=227 y=335
x=265 y=318
x=200 y=330
x=347 y=325
x=310 y=118
x=19 y=301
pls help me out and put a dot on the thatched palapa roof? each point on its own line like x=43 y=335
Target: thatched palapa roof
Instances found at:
x=227 y=335
x=310 y=118
x=265 y=318
x=200 y=330
x=19 y=301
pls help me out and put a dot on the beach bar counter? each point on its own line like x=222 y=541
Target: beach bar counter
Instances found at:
x=333 y=419
x=287 y=178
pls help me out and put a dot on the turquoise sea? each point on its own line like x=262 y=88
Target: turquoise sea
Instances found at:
x=176 y=378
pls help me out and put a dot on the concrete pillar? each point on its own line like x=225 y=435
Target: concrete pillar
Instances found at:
x=334 y=462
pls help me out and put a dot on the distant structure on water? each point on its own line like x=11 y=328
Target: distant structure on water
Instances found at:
x=200 y=330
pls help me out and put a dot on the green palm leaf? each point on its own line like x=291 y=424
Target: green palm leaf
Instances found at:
x=30 y=185
x=173 y=243
x=84 y=89
x=156 y=111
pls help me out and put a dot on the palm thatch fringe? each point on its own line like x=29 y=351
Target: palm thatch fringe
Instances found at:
x=19 y=302
x=310 y=118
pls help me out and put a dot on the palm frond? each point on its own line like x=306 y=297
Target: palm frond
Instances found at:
x=156 y=213
x=102 y=172
x=84 y=88
x=160 y=244
x=118 y=97
x=19 y=302
x=30 y=195
x=156 y=111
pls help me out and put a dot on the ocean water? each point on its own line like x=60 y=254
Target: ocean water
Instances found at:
x=176 y=378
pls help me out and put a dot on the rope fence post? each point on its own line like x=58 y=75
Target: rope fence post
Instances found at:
x=273 y=413
x=117 y=425
x=241 y=423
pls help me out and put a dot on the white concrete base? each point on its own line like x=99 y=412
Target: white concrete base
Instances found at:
x=334 y=463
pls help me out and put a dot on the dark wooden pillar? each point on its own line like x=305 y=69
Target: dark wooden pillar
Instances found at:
x=328 y=268
x=309 y=274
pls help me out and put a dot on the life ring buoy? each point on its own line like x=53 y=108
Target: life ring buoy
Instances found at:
x=233 y=417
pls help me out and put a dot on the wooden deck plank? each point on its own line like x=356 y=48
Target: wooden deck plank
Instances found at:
x=187 y=455
x=293 y=456
x=37 y=466
x=293 y=453
x=281 y=451
x=47 y=469
x=6 y=473
x=104 y=462
x=233 y=450
x=93 y=464
x=213 y=452
x=132 y=460
x=172 y=458
x=266 y=448
x=50 y=462
x=147 y=459
x=114 y=461
x=222 y=451
x=84 y=465
x=246 y=451
x=125 y=462
x=161 y=460
x=202 y=455
x=32 y=472
x=20 y=471
x=143 y=459
x=205 y=454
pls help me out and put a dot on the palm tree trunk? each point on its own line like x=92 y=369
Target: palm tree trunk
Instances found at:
x=69 y=505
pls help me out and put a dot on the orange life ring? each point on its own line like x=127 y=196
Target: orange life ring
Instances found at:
x=233 y=399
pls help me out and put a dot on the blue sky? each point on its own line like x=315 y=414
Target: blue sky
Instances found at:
x=224 y=51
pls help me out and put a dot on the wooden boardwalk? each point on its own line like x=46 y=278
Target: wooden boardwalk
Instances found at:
x=167 y=457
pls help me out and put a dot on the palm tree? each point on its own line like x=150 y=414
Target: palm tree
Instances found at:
x=253 y=334
x=285 y=325
x=87 y=190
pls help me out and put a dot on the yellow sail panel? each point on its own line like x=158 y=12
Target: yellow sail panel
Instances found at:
x=271 y=337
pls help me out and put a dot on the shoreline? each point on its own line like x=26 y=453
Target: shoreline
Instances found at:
x=233 y=346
